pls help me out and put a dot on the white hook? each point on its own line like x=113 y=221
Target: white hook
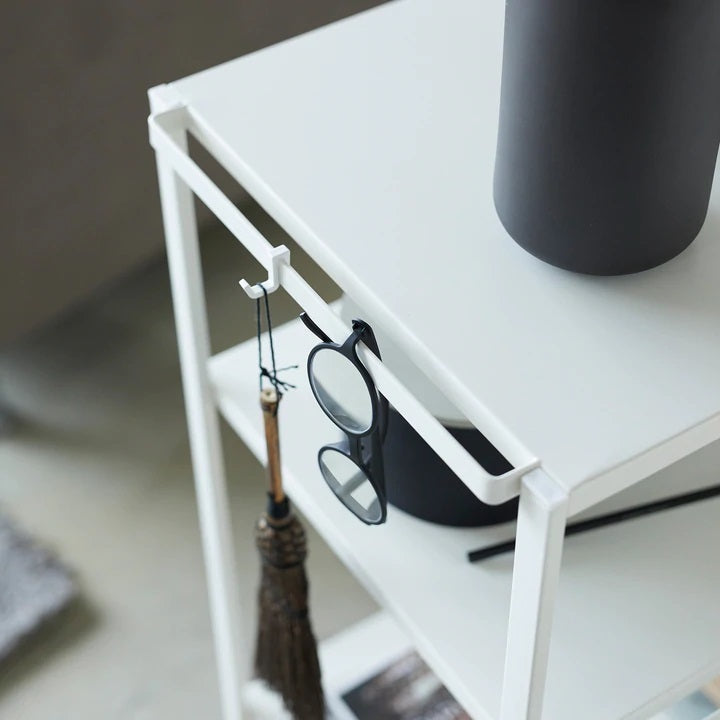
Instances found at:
x=279 y=255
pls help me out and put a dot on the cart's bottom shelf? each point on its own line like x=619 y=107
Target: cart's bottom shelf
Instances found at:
x=636 y=621
x=371 y=670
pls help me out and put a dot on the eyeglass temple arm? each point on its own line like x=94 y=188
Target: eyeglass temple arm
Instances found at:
x=313 y=328
x=368 y=338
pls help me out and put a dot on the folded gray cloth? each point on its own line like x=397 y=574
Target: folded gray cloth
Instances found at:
x=34 y=585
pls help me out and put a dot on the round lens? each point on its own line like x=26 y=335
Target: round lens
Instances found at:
x=341 y=390
x=350 y=483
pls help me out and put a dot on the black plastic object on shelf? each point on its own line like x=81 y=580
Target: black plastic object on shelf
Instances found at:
x=609 y=129
x=612 y=518
x=419 y=482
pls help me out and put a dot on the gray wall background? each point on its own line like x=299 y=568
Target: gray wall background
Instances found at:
x=79 y=205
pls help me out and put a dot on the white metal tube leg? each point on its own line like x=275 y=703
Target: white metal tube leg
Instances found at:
x=213 y=507
x=538 y=553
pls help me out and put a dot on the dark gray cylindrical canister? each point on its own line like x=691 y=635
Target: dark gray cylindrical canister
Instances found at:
x=609 y=129
x=420 y=483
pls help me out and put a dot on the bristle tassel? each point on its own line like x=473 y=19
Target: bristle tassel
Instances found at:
x=286 y=654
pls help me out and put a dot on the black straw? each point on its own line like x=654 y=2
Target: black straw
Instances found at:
x=609 y=519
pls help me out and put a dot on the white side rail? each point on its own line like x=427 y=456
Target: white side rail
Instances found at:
x=493 y=489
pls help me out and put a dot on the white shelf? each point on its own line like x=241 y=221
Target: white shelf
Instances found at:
x=633 y=626
x=372 y=141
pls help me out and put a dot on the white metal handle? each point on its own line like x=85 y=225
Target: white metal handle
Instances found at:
x=489 y=488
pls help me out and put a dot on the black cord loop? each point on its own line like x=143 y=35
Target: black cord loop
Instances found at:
x=272 y=375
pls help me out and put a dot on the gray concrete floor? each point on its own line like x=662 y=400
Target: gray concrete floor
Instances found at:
x=98 y=468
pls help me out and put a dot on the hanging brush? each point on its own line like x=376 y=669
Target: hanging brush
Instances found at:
x=286 y=652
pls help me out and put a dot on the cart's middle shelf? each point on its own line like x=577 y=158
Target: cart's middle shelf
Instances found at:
x=631 y=623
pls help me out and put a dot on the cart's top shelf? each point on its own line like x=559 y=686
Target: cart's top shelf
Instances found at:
x=372 y=141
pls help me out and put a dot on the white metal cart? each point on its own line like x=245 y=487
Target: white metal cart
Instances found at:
x=371 y=141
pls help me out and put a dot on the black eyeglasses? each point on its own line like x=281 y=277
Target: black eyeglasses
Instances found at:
x=353 y=468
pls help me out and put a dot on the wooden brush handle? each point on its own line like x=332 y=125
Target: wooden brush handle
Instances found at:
x=269 y=403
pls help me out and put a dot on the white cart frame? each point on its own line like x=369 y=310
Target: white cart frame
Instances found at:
x=543 y=503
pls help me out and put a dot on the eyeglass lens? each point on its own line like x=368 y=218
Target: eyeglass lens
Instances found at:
x=350 y=484
x=341 y=390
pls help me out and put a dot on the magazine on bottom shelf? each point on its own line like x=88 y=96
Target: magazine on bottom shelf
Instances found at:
x=371 y=672
x=405 y=690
